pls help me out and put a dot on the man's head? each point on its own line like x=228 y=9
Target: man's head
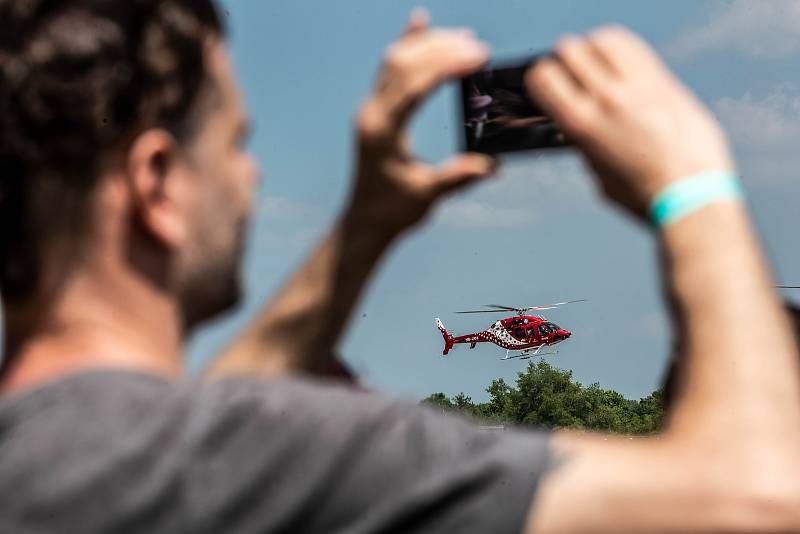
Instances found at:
x=121 y=136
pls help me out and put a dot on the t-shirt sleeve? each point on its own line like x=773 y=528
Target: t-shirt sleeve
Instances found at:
x=290 y=456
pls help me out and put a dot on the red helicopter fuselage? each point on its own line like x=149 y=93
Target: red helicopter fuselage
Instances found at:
x=523 y=333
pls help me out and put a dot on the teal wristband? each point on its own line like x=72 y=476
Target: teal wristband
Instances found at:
x=688 y=195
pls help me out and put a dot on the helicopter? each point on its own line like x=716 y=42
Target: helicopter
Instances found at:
x=528 y=334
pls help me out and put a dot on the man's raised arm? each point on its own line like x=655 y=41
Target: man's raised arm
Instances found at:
x=728 y=459
x=393 y=191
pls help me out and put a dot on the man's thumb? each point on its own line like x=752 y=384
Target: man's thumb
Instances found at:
x=462 y=170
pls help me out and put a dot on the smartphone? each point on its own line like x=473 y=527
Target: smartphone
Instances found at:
x=498 y=114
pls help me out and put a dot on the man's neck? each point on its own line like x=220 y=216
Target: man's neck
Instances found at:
x=96 y=326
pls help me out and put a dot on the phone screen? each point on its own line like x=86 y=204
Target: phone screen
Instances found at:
x=499 y=115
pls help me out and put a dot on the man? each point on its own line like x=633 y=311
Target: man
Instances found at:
x=125 y=191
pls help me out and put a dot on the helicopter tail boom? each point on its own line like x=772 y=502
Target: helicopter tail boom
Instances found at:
x=448 y=338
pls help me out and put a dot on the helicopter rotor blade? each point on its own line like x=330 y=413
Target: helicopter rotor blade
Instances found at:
x=484 y=311
x=500 y=309
x=554 y=305
x=506 y=309
x=498 y=306
x=788 y=287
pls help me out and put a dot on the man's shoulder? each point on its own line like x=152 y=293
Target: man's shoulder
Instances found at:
x=127 y=389
x=104 y=399
x=197 y=452
x=85 y=398
x=97 y=410
x=112 y=436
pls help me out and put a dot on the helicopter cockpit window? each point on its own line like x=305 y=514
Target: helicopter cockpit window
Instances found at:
x=543 y=331
x=519 y=333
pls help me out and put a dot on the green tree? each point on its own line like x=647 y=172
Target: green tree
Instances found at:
x=462 y=402
x=547 y=397
x=499 y=401
x=438 y=401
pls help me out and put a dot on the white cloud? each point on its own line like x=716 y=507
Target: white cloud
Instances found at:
x=279 y=208
x=765 y=131
x=282 y=224
x=300 y=239
x=771 y=123
x=470 y=214
x=546 y=177
x=759 y=28
x=527 y=188
x=652 y=324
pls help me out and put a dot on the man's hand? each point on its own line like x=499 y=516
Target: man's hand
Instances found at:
x=393 y=190
x=641 y=130
x=638 y=126
x=299 y=330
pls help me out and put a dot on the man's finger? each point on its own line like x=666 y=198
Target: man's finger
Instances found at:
x=414 y=69
x=460 y=171
x=584 y=63
x=559 y=95
x=626 y=52
x=418 y=21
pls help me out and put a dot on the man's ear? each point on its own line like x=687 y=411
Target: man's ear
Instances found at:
x=158 y=186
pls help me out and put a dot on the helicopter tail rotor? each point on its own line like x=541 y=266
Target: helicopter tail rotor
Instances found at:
x=448 y=338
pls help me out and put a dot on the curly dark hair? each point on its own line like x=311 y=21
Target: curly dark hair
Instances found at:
x=78 y=80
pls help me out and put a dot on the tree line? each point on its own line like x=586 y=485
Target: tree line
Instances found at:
x=547 y=397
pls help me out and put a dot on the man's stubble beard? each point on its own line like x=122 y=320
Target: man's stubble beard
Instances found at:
x=216 y=286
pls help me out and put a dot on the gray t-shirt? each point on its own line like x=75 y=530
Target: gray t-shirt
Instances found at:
x=125 y=452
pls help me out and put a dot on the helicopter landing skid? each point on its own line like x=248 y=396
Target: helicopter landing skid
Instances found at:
x=528 y=354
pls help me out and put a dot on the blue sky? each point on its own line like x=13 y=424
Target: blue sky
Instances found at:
x=537 y=234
